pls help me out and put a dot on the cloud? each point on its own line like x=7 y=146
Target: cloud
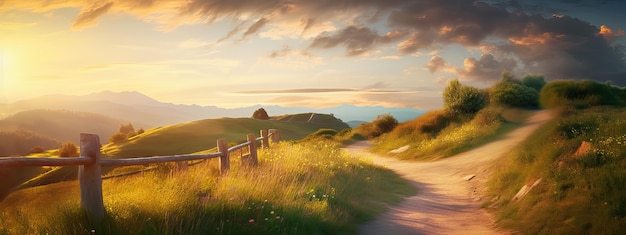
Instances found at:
x=554 y=44
x=356 y=40
x=254 y=28
x=88 y=16
x=609 y=33
x=437 y=64
x=484 y=69
x=297 y=91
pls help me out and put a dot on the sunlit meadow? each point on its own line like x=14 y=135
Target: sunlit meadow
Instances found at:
x=306 y=188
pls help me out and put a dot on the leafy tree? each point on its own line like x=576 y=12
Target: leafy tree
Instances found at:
x=126 y=129
x=260 y=114
x=512 y=92
x=534 y=81
x=463 y=99
x=68 y=150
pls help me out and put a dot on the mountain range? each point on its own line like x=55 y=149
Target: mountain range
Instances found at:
x=146 y=112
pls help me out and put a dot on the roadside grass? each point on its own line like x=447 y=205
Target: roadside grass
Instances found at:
x=440 y=134
x=298 y=188
x=578 y=194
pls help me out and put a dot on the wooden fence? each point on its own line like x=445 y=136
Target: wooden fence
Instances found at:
x=90 y=163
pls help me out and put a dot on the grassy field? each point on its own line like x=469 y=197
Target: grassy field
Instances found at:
x=304 y=188
x=579 y=193
x=181 y=138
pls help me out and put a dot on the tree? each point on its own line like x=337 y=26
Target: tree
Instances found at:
x=260 y=114
x=68 y=149
x=511 y=92
x=534 y=81
x=463 y=99
x=126 y=129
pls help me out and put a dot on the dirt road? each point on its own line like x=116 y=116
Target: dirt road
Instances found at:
x=446 y=203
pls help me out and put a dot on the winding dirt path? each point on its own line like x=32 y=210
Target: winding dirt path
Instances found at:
x=446 y=202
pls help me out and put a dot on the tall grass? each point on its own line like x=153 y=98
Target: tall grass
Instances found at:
x=441 y=134
x=306 y=188
x=579 y=194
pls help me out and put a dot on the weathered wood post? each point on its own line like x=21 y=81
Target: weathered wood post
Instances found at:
x=90 y=178
x=275 y=135
x=265 y=143
x=222 y=147
x=252 y=159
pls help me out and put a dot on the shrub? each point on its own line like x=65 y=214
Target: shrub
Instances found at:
x=260 y=114
x=68 y=150
x=381 y=125
x=534 y=81
x=511 y=92
x=126 y=129
x=463 y=99
x=140 y=131
x=582 y=94
x=118 y=138
x=37 y=149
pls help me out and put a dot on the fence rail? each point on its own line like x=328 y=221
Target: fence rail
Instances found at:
x=90 y=164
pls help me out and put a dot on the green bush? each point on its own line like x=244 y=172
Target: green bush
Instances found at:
x=512 y=92
x=581 y=94
x=463 y=99
x=534 y=81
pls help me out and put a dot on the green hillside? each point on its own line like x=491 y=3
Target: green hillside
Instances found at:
x=185 y=138
x=203 y=134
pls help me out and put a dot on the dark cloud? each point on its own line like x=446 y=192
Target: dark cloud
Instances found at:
x=356 y=40
x=526 y=34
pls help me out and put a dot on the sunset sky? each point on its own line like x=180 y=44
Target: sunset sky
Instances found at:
x=313 y=53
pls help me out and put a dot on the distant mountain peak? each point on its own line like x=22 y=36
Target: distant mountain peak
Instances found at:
x=123 y=97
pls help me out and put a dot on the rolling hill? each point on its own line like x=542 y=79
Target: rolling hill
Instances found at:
x=60 y=125
x=189 y=137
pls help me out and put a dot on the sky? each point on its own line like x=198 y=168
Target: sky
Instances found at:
x=322 y=53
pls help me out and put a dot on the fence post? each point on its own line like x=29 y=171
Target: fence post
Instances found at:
x=90 y=178
x=252 y=160
x=275 y=135
x=265 y=143
x=222 y=147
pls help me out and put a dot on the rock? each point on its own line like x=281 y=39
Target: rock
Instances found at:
x=584 y=148
x=401 y=149
x=524 y=190
x=469 y=177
